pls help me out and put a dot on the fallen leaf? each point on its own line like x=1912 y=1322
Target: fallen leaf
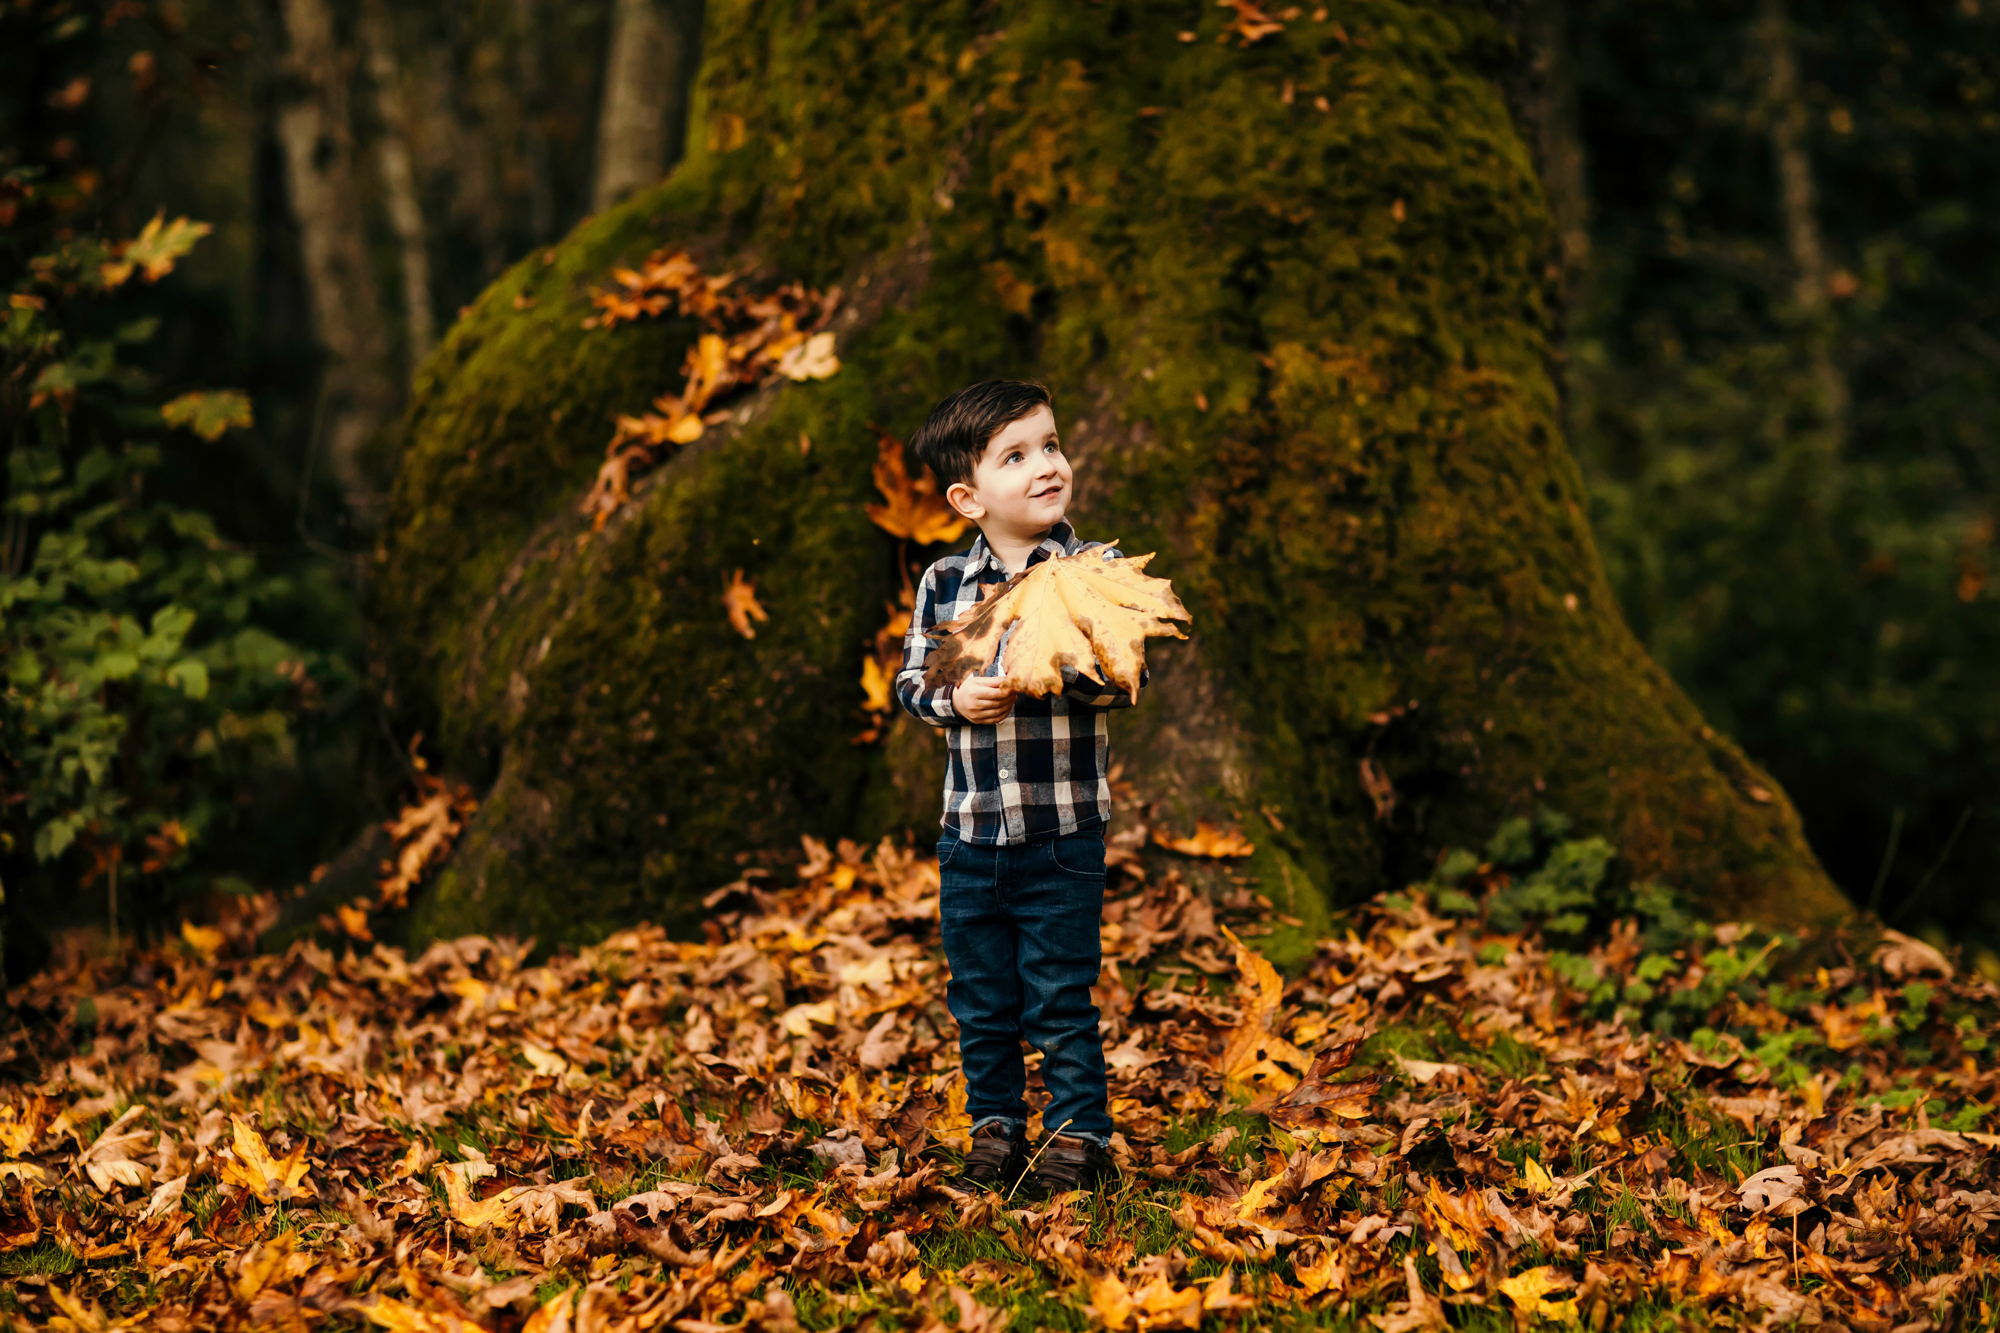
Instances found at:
x=811 y=360
x=1530 y=1290
x=1206 y=840
x=1256 y=1059
x=109 y=1160
x=1770 y=1188
x=204 y=940
x=251 y=1166
x=875 y=684
x=392 y=1314
x=739 y=599
x=912 y=508
x=1111 y=1301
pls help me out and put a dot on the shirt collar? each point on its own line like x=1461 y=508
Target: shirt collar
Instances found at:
x=1061 y=541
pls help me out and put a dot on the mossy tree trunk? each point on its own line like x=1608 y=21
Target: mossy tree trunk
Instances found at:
x=1290 y=298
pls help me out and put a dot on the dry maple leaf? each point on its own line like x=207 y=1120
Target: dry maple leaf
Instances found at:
x=108 y=1160
x=874 y=685
x=1529 y=1291
x=390 y=1313
x=747 y=339
x=1207 y=840
x=812 y=359
x=425 y=831
x=1315 y=1101
x=1251 y=23
x=1256 y=1057
x=1081 y=611
x=739 y=599
x=914 y=510
x=252 y=1166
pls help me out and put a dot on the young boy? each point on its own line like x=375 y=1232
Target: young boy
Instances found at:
x=1026 y=798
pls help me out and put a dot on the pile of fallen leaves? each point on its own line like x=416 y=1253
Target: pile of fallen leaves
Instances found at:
x=756 y=1130
x=746 y=340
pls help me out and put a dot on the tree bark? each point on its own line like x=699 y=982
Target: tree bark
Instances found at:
x=399 y=180
x=534 y=120
x=641 y=126
x=460 y=146
x=1786 y=121
x=1549 y=98
x=1289 y=299
x=313 y=128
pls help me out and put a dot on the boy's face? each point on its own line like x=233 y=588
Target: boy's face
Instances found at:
x=1020 y=486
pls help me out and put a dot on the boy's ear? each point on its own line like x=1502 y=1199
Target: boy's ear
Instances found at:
x=960 y=497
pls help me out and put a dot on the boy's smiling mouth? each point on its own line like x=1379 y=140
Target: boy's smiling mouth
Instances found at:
x=1055 y=488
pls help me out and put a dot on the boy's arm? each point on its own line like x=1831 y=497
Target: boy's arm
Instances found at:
x=1090 y=693
x=926 y=704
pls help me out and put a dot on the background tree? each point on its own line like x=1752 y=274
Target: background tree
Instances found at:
x=1781 y=358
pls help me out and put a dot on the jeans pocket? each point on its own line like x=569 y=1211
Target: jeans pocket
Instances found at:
x=946 y=849
x=1079 y=855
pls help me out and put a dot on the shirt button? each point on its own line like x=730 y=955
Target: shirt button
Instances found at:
x=1003 y=772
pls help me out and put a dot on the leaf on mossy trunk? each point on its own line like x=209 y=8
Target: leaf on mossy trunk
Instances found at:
x=1207 y=840
x=209 y=414
x=913 y=510
x=1080 y=611
x=739 y=601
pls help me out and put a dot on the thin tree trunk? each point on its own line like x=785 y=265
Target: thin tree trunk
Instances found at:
x=1550 y=105
x=347 y=308
x=398 y=179
x=1785 y=116
x=534 y=122
x=640 y=126
x=457 y=108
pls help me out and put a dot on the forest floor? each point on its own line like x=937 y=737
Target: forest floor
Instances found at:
x=1439 y=1124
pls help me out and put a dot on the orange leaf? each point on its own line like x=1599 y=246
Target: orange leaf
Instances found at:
x=1207 y=840
x=914 y=510
x=739 y=599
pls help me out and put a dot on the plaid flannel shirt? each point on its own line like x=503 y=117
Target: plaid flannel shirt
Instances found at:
x=1043 y=770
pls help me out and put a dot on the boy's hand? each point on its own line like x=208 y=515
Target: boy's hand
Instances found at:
x=983 y=699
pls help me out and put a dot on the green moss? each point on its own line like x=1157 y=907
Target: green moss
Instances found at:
x=1300 y=352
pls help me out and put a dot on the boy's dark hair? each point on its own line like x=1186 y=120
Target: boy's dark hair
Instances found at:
x=958 y=429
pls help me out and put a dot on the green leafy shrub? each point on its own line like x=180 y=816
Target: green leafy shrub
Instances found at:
x=144 y=696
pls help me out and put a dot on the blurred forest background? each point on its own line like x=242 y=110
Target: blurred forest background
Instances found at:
x=1776 y=226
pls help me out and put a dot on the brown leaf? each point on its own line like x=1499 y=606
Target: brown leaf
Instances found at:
x=1206 y=840
x=739 y=600
x=912 y=508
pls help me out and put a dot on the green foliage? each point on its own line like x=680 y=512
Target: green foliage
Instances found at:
x=144 y=696
x=1569 y=888
x=1797 y=505
x=1732 y=992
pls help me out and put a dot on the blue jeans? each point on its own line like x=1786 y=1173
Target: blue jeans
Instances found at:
x=1020 y=932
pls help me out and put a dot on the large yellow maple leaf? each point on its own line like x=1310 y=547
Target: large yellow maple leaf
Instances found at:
x=1080 y=611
